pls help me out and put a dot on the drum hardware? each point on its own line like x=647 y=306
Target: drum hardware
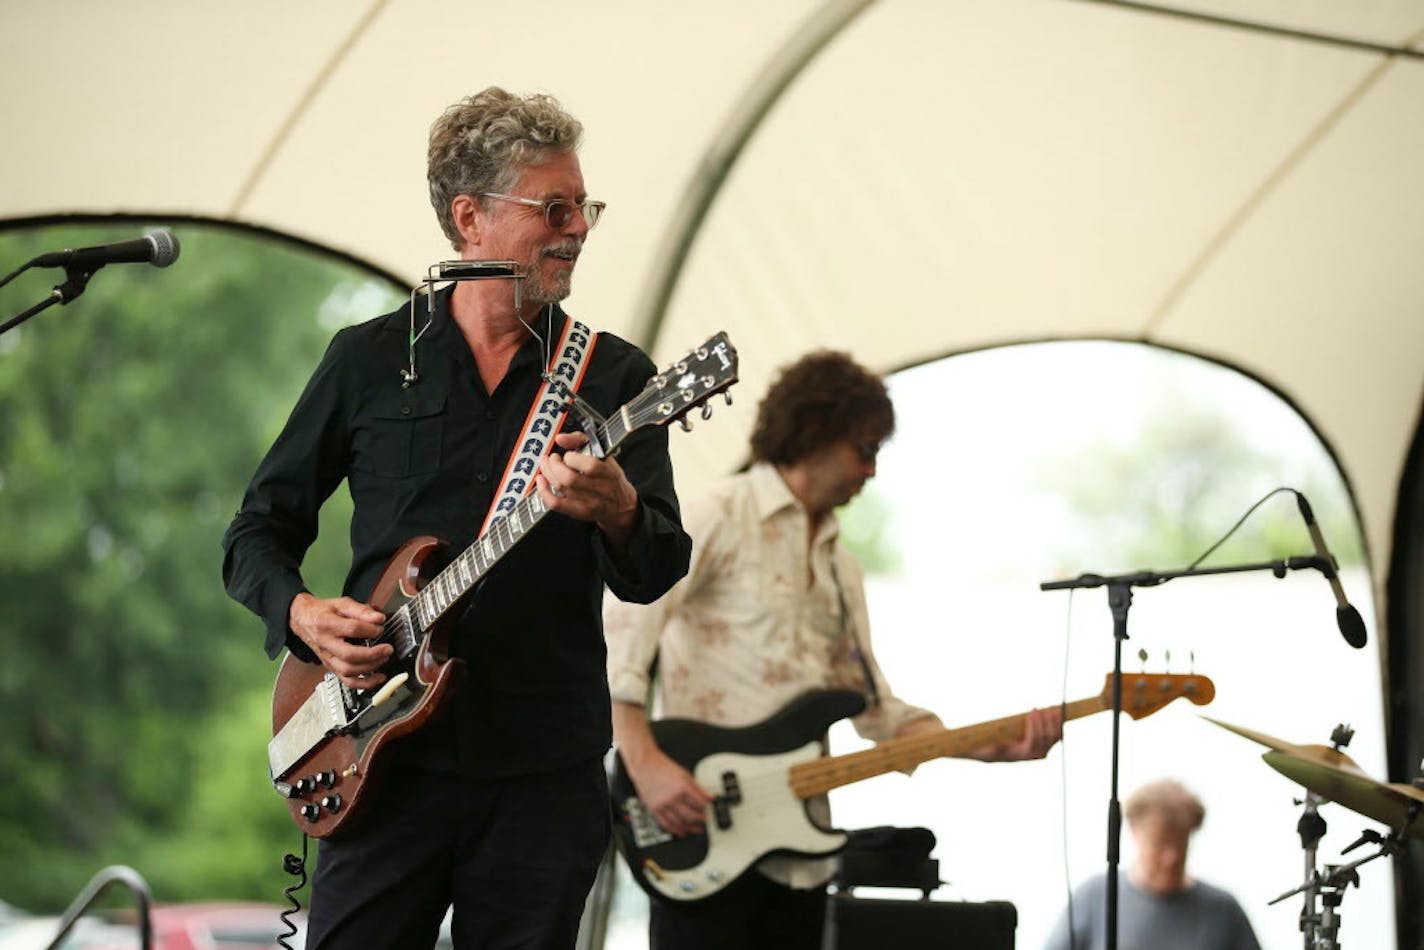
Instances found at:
x=1329 y=775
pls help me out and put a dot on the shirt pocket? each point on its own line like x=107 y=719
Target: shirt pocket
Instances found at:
x=401 y=436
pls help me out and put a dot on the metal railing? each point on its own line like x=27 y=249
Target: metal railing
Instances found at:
x=114 y=874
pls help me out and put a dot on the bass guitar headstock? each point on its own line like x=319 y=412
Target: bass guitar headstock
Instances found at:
x=1145 y=693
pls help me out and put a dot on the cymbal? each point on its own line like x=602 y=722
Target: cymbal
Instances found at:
x=1334 y=776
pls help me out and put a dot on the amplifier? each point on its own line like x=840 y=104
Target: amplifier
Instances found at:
x=863 y=923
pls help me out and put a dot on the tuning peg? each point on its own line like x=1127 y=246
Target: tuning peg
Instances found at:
x=1142 y=656
x=1167 y=661
x=706 y=410
x=686 y=424
x=727 y=395
x=1191 y=661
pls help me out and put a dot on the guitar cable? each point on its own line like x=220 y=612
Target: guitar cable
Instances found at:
x=296 y=867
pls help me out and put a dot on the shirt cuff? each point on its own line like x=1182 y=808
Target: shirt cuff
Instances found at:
x=277 y=598
x=659 y=552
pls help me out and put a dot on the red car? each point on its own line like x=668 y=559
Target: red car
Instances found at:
x=198 y=926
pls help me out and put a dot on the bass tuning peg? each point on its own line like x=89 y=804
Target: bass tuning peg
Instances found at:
x=706 y=410
x=686 y=424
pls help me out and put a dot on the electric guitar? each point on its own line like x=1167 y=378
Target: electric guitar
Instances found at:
x=763 y=774
x=328 y=738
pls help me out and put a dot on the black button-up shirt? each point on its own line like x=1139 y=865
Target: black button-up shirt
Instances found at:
x=427 y=460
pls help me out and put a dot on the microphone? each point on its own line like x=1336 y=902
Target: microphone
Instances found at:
x=159 y=248
x=1352 y=626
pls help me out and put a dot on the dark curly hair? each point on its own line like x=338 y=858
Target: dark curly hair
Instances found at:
x=818 y=400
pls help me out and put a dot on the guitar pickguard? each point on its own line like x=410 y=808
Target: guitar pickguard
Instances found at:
x=769 y=819
x=756 y=813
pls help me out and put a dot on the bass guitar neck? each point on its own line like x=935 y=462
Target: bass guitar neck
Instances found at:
x=1142 y=695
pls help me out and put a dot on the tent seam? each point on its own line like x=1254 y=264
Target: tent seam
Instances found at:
x=1253 y=202
x=299 y=110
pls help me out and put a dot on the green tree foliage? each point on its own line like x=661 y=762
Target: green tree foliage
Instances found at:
x=133 y=699
x=866 y=528
x=1161 y=495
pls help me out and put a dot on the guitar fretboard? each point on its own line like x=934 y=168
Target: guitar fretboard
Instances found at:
x=821 y=775
x=462 y=574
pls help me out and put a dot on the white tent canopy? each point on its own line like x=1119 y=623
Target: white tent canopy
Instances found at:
x=942 y=175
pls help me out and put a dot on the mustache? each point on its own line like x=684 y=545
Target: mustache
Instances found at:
x=571 y=246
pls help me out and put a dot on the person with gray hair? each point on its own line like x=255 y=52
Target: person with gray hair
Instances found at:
x=499 y=804
x=1160 y=907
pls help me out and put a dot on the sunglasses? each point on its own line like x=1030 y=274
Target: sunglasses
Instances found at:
x=558 y=212
x=865 y=451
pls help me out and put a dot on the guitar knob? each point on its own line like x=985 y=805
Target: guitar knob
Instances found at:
x=332 y=803
x=327 y=778
x=304 y=785
x=687 y=887
x=311 y=812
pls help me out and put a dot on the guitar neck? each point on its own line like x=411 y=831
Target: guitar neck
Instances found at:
x=461 y=575
x=821 y=775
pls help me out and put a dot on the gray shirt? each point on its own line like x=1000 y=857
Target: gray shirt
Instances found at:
x=1202 y=917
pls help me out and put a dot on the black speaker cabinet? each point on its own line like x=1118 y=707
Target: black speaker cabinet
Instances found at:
x=859 y=923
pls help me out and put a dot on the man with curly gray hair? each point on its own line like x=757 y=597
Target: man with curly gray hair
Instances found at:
x=499 y=804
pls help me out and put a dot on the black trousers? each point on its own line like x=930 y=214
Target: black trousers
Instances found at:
x=516 y=857
x=754 y=913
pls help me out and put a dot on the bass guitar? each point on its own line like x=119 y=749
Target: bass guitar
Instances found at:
x=328 y=738
x=763 y=774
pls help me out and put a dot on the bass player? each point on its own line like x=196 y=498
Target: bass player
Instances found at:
x=772 y=606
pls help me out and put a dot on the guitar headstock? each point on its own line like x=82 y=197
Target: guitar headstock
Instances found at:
x=1145 y=693
x=705 y=371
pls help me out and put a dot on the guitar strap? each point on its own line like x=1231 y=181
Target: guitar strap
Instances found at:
x=848 y=629
x=567 y=363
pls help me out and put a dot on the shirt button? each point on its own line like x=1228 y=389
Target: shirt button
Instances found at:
x=405 y=410
x=482 y=477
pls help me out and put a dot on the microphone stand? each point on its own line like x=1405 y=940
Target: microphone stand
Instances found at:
x=76 y=279
x=1119 y=601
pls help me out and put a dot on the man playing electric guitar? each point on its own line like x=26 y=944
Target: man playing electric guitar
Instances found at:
x=772 y=606
x=431 y=416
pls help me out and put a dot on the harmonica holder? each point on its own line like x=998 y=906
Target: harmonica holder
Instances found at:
x=446 y=272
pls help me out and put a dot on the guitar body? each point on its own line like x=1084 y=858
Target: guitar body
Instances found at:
x=756 y=812
x=330 y=785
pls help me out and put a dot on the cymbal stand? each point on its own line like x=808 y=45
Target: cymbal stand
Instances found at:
x=1322 y=929
x=1311 y=828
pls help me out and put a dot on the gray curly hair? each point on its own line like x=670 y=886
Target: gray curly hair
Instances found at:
x=482 y=142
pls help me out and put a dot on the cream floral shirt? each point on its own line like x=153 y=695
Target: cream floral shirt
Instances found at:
x=757 y=621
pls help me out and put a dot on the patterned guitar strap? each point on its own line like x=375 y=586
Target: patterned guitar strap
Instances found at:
x=567 y=363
